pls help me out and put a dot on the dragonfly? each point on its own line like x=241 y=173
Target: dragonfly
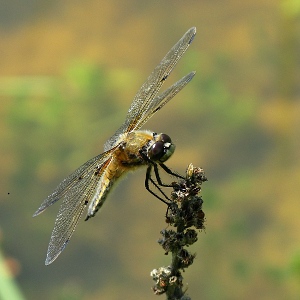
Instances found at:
x=128 y=149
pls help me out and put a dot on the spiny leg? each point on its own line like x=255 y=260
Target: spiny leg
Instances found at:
x=163 y=166
x=167 y=170
x=148 y=178
x=159 y=181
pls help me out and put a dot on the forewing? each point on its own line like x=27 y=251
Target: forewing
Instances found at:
x=159 y=101
x=143 y=98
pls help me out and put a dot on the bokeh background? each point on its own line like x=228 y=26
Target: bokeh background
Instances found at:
x=68 y=73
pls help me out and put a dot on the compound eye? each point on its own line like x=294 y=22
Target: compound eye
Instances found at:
x=165 y=138
x=157 y=150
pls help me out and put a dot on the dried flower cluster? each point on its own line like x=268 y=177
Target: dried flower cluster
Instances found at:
x=185 y=214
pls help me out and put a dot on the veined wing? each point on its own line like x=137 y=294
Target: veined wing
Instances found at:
x=142 y=101
x=73 y=180
x=76 y=190
x=159 y=101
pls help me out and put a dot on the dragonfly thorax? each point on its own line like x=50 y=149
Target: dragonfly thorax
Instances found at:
x=142 y=146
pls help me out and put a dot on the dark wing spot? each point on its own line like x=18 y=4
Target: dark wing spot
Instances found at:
x=164 y=78
x=97 y=171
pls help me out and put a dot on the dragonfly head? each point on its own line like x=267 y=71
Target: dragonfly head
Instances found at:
x=162 y=148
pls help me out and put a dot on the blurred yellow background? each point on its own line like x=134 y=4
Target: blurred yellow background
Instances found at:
x=68 y=73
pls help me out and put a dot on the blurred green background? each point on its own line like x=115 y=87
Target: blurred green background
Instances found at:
x=68 y=73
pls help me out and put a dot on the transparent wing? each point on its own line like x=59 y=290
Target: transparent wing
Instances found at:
x=159 y=101
x=72 y=180
x=76 y=190
x=69 y=214
x=142 y=102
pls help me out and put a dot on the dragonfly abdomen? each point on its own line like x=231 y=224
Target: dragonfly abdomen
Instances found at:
x=105 y=182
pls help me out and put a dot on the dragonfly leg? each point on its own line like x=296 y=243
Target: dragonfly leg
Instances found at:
x=159 y=183
x=149 y=179
x=170 y=172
